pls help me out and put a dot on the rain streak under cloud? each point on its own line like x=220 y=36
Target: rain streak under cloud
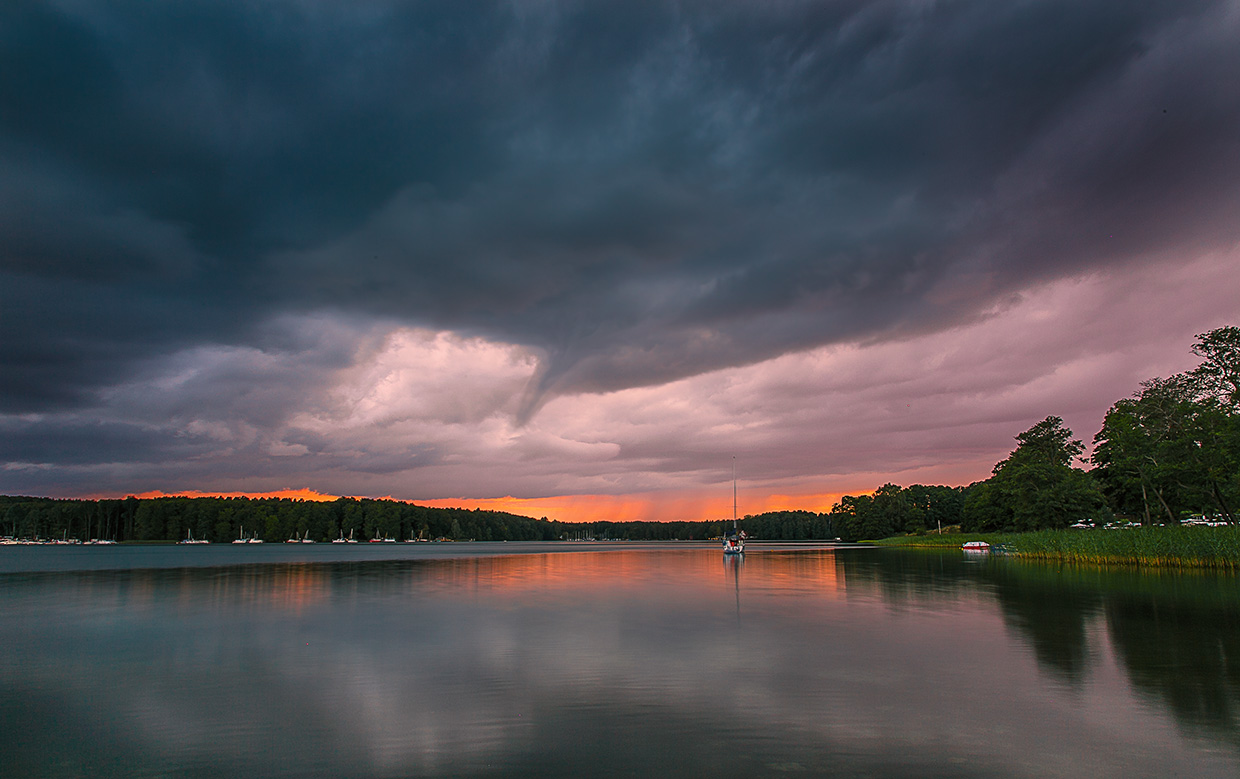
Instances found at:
x=580 y=254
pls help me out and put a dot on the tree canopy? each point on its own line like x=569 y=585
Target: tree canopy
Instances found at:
x=1036 y=487
x=1173 y=447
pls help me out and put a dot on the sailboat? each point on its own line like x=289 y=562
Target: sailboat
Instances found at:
x=189 y=539
x=734 y=544
x=243 y=539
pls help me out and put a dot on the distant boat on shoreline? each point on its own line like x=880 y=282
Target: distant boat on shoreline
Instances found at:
x=244 y=540
x=189 y=539
x=343 y=540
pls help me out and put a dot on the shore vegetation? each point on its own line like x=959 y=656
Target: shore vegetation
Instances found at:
x=1169 y=546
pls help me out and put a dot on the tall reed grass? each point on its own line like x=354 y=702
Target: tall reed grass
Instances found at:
x=1183 y=547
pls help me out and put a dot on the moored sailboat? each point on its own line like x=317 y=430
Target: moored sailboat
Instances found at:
x=244 y=539
x=189 y=539
x=734 y=544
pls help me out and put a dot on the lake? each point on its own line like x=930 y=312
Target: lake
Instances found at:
x=608 y=659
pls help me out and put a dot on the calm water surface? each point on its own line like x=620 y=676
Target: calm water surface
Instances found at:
x=608 y=660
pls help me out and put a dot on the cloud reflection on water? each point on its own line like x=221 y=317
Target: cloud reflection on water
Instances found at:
x=596 y=663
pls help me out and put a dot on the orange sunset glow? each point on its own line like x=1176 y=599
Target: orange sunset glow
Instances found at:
x=301 y=494
x=695 y=507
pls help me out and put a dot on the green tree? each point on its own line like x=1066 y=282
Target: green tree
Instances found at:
x=1036 y=486
x=984 y=511
x=1217 y=419
x=1174 y=447
x=846 y=516
x=889 y=512
x=1143 y=450
x=1218 y=375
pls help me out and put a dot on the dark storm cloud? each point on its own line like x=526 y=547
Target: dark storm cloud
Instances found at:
x=639 y=190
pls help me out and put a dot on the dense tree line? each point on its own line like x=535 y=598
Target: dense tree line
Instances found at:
x=772 y=525
x=271 y=519
x=893 y=509
x=221 y=520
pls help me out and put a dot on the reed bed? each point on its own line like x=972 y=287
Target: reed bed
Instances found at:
x=1185 y=547
x=1180 y=547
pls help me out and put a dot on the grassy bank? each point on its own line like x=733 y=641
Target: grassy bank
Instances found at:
x=945 y=541
x=1184 y=547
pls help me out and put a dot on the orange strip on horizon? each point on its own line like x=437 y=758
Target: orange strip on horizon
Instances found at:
x=637 y=508
x=302 y=494
x=649 y=507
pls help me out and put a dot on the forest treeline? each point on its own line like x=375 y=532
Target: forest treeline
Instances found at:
x=1168 y=452
x=221 y=520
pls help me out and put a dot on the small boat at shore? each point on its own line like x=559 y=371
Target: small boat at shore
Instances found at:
x=975 y=546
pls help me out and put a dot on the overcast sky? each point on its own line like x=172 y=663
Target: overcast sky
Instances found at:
x=581 y=254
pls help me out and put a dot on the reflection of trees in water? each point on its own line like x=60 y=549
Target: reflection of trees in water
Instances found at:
x=1184 y=652
x=1052 y=611
x=1177 y=636
x=1046 y=607
x=905 y=575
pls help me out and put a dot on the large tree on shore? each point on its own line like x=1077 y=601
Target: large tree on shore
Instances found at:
x=1174 y=447
x=1217 y=378
x=1036 y=487
x=1143 y=450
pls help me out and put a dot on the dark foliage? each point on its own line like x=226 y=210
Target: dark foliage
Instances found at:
x=221 y=520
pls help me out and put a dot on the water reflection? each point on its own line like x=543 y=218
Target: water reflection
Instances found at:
x=1183 y=650
x=1052 y=611
x=669 y=662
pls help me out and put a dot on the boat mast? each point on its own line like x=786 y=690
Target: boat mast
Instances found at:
x=733 y=493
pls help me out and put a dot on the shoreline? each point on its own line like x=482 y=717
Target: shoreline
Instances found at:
x=1212 y=548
